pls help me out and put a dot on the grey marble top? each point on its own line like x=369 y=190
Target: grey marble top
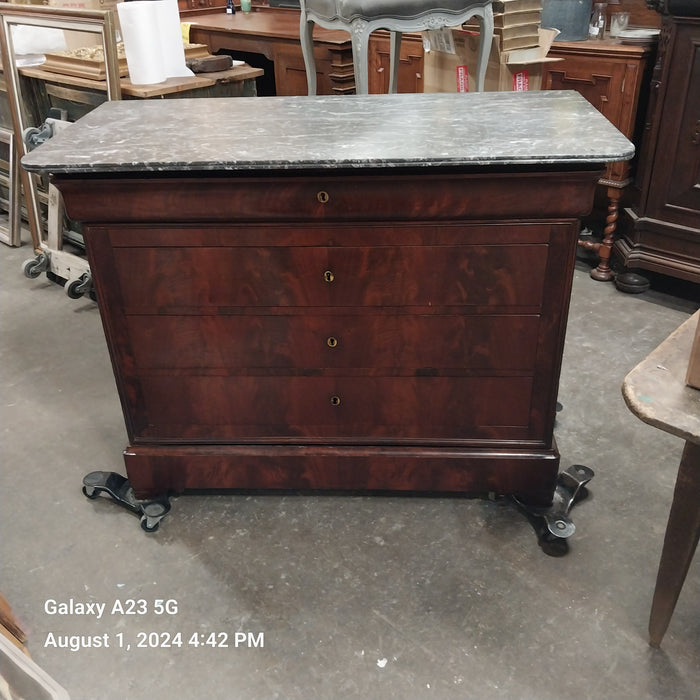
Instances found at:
x=375 y=131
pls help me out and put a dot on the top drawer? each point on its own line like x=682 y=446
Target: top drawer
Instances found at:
x=331 y=197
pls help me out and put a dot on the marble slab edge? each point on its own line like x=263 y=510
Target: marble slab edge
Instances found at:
x=330 y=132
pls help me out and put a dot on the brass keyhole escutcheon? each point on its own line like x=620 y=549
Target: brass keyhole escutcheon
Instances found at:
x=323 y=196
x=335 y=400
x=328 y=276
x=332 y=342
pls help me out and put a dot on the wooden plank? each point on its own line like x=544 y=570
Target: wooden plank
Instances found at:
x=170 y=86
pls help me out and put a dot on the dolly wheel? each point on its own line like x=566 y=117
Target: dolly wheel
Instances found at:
x=145 y=526
x=33 y=267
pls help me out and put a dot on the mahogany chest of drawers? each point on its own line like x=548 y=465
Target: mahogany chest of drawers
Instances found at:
x=373 y=322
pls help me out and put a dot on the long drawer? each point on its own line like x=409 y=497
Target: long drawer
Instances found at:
x=362 y=196
x=382 y=341
x=465 y=275
x=399 y=408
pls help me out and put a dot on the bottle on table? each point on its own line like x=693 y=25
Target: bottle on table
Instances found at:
x=596 y=27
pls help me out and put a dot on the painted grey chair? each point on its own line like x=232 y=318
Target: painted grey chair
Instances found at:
x=361 y=17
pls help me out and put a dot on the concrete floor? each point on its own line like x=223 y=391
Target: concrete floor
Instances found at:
x=357 y=597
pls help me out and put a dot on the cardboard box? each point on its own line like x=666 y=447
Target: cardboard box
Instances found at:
x=450 y=64
x=693 y=376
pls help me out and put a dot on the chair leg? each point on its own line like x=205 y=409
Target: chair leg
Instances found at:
x=306 y=29
x=394 y=61
x=486 y=39
x=360 y=39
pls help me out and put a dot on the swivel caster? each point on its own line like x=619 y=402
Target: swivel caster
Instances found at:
x=76 y=288
x=119 y=489
x=552 y=525
x=153 y=513
x=34 y=136
x=33 y=267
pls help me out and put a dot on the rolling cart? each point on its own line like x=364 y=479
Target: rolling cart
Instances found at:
x=47 y=230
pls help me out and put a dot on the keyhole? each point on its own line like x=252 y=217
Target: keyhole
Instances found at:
x=335 y=400
x=328 y=276
x=323 y=196
x=332 y=342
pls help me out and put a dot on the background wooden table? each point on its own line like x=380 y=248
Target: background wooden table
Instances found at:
x=656 y=392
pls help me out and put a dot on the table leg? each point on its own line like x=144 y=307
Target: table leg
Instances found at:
x=602 y=272
x=680 y=542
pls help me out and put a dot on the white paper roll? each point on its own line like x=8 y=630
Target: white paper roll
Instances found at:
x=152 y=40
x=171 y=40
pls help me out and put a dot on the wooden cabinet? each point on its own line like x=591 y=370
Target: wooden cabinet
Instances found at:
x=342 y=305
x=663 y=231
x=275 y=324
x=613 y=77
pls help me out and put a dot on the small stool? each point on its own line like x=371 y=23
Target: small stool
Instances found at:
x=361 y=17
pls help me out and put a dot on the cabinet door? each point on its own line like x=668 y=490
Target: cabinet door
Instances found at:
x=602 y=82
x=599 y=81
x=674 y=195
x=613 y=77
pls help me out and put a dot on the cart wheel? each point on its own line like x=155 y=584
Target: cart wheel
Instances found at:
x=553 y=546
x=29 y=134
x=146 y=528
x=72 y=288
x=33 y=267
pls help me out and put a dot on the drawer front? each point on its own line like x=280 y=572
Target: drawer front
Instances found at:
x=215 y=408
x=381 y=341
x=423 y=276
x=366 y=196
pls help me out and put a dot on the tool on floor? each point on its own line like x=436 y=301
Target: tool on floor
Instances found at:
x=553 y=525
x=119 y=489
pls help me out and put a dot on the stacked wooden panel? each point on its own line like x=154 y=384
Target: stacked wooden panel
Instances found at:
x=516 y=23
